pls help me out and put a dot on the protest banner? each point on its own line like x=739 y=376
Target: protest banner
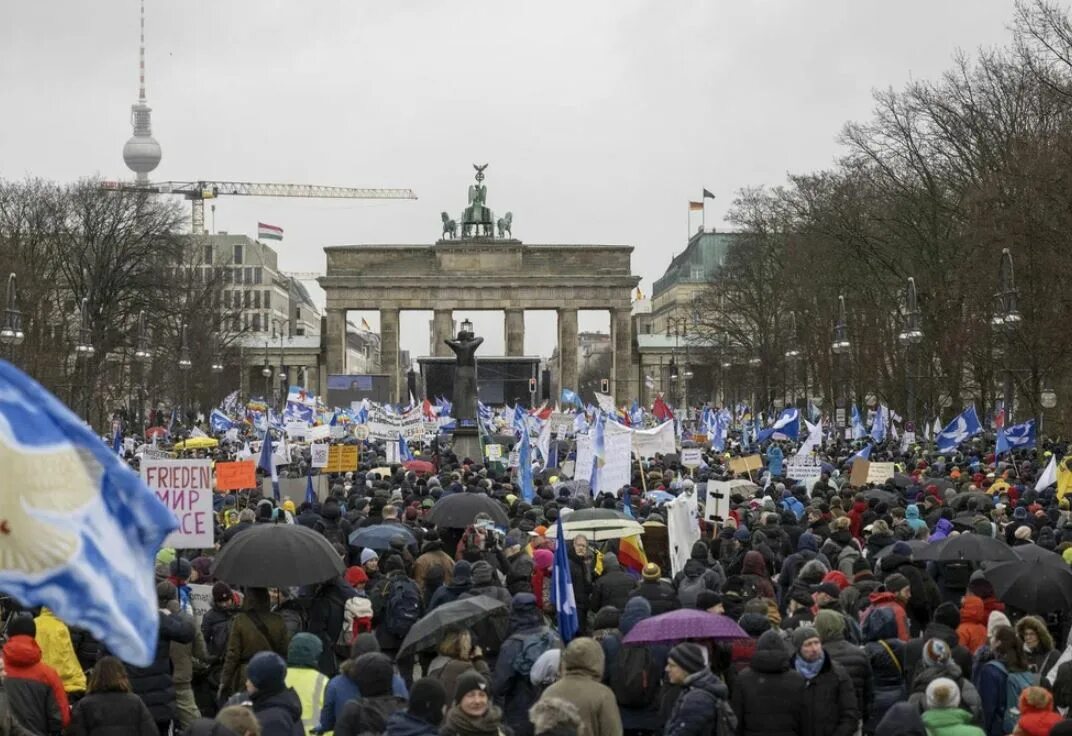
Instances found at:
x=318 y=433
x=691 y=457
x=514 y=460
x=561 y=423
x=746 y=464
x=318 y=454
x=660 y=440
x=717 y=505
x=297 y=430
x=617 y=458
x=582 y=467
x=879 y=473
x=860 y=469
x=390 y=453
x=185 y=487
x=235 y=476
x=805 y=469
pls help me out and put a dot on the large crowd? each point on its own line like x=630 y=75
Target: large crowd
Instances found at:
x=845 y=622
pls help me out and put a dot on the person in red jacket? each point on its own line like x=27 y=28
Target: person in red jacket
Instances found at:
x=35 y=692
x=898 y=590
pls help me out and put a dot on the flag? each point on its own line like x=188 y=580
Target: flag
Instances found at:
x=814 y=414
x=219 y=422
x=661 y=411
x=862 y=454
x=631 y=553
x=599 y=452
x=365 y=325
x=1016 y=437
x=80 y=528
x=404 y=453
x=267 y=463
x=570 y=397
x=543 y=441
x=269 y=232
x=878 y=424
x=707 y=194
x=964 y=426
x=814 y=439
x=117 y=439
x=524 y=467
x=937 y=430
x=627 y=504
x=785 y=427
x=858 y=429
x=562 y=590
x=636 y=414
x=552 y=456
x=695 y=206
x=1049 y=475
x=310 y=494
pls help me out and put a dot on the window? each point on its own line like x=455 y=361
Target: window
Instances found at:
x=256 y=300
x=300 y=332
x=256 y=322
x=207 y=257
x=697 y=273
x=249 y=275
x=267 y=299
x=257 y=275
x=245 y=299
x=236 y=324
x=238 y=254
x=227 y=276
x=297 y=313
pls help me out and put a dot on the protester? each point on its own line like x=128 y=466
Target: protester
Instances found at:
x=110 y=707
x=943 y=716
x=424 y=712
x=369 y=713
x=57 y=651
x=472 y=712
x=581 y=685
x=830 y=707
x=254 y=629
x=1001 y=680
x=304 y=678
x=277 y=707
x=35 y=691
x=457 y=654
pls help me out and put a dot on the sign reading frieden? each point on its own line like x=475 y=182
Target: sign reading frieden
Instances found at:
x=185 y=487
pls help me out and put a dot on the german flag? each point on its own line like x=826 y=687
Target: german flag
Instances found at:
x=695 y=206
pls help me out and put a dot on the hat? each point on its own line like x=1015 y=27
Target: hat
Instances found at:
x=166 y=591
x=356 y=576
x=462 y=572
x=947 y=614
x=742 y=535
x=368 y=554
x=829 y=588
x=22 y=624
x=1022 y=533
x=288 y=505
x=374 y=674
x=267 y=671
x=1020 y=513
x=482 y=573
x=935 y=652
x=896 y=582
x=997 y=618
x=513 y=539
x=467 y=682
x=427 y=698
x=830 y=625
x=221 y=592
x=304 y=650
x=180 y=568
x=901 y=549
x=651 y=571
x=803 y=634
x=689 y=656
x=523 y=602
x=707 y=599
x=942 y=693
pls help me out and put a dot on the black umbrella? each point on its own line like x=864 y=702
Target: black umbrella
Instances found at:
x=379 y=536
x=881 y=495
x=916 y=546
x=277 y=556
x=973 y=547
x=901 y=480
x=1037 y=588
x=1034 y=554
x=427 y=632
x=960 y=501
x=458 y=510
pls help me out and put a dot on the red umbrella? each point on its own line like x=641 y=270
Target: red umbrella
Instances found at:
x=419 y=466
x=155 y=432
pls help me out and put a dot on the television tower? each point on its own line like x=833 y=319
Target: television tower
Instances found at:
x=141 y=153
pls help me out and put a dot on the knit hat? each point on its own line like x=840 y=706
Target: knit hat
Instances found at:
x=166 y=591
x=1022 y=533
x=651 y=571
x=947 y=614
x=374 y=674
x=896 y=582
x=829 y=588
x=462 y=572
x=467 y=682
x=356 y=576
x=180 y=568
x=935 y=652
x=221 y=592
x=22 y=624
x=997 y=618
x=943 y=693
x=802 y=635
x=426 y=700
x=707 y=599
x=304 y=650
x=901 y=549
x=368 y=554
x=830 y=625
x=482 y=573
x=267 y=671
x=689 y=656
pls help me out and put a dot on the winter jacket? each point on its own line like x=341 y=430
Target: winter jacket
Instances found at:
x=446 y=594
x=368 y=715
x=755 y=569
x=215 y=628
x=830 y=702
x=941 y=530
x=403 y=723
x=581 y=684
x=659 y=594
x=183 y=655
x=35 y=692
x=613 y=587
x=768 y=696
x=949 y=722
x=1037 y=715
x=972 y=629
x=154 y=684
x=886 y=655
x=447 y=670
x=925 y=593
x=246 y=640
x=433 y=556
x=342 y=688
x=581 y=576
x=914 y=650
x=857 y=663
x=990 y=680
x=903 y=719
x=696 y=576
x=511 y=688
x=325 y=617
x=57 y=651
x=112 y=714
x=278 y=712
x=695 y=711
x=9 y=726
x=519 y=573
x=648 y=718
x=969 y=696
x=912 y=518
x=888 y=601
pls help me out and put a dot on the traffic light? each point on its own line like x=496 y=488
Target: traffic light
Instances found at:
x=532 y=385
x=604 y=385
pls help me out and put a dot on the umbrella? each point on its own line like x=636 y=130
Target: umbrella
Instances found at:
x=961 y=500
x=155 y=432
x=973 y=547
x=660 y=496
x=427 y=632
x=379 y=536
x=741 y=485
x=881 y=495
x=902 y=481
x=458 y=510
x=419 y=466
x=277 y=556
x=942 y=483
x=917 y=545
x=600 y=524
x=197 y=443
x=684 y=623
x=1033 y=553
x=1039 y=588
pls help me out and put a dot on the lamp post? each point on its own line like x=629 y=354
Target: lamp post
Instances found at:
x=840 y=347
x=1048 y=400
x=678 y=327
x=84 y=349
x=11 y=334
x=278 y=324
x=1007 y=318
x=791 y=356
x=142 y=356
x=911 y=336
x=266 y=371
x=184 y=364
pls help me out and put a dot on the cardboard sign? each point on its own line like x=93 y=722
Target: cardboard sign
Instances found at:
x=700 y=439
x=200 y=601
x=746 y=464
x=494 y=452
x=234 y=476
x=319 y=432
x=185 y=487
x=860 y=469
x=691 y=457
x=879 y=473
x=806 y=469
x=318 y=454
x=342 y=458
x=515 y=459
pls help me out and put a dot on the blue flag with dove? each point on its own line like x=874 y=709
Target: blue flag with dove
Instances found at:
x=965 y=425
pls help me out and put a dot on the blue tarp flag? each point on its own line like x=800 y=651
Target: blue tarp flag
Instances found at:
x=863 y=454
x=878 y=425
x=404 y=453
x=785 y=427
x=117 y=439
x=1016 y=437
x=81 y=530
x=219 y=422
x=960 y=429
x=599 y=452
x=562 y=590
x=310 y=493
x=859 y=431
x=524 y=467
x=570 y=397
x=266 y=463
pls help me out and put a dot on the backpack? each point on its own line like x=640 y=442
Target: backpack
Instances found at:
x=633 y=680
x=688 y=590
x=725 y=718
x=1015 y=682
x=532 y=647
x=332 y=533
x=403 y=606
x=356 y=619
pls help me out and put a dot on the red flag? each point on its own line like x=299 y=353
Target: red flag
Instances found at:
x=543 y=413
x=428 y=411
x=999 y=419
x=661 y=411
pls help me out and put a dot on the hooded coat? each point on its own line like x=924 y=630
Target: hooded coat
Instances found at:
x=972 y=630
x=754 y=568
x=581 y=684
x=696 y=709
x=112 y=714
x=1037 y=714
x=35 y=692
x=510 y=687
x=854 y=659
x=641 y=719
x=768 y=696
x=613 y=587
x=949 y=722
x=969 y=696
x=278 y=712
x=941 y=530
x=830 y=702
x=154 y=684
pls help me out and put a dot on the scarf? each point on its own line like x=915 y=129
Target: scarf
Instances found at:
x=486 y=725
x=808 y=669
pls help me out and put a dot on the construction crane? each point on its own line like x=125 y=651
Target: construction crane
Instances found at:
x=198 y=191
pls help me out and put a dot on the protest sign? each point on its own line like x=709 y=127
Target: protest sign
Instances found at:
x=582 y=467
x=746 y=464
x=318 y=433
x=200 y=601
x=860 y=469
x=561 y=423
x=185 y=487
x=494 y=452
x=879 y=473
x=515 y=459
x=660 y=440
x=297 y=430
x=691 y=457
x=390 y=453
x=318 y=454
x=717 y=505
x=617 y=458
x=805 y=469
x=233 y=476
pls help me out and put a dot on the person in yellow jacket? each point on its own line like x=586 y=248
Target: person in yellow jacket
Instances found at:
x=57 y=651
x=302 y=675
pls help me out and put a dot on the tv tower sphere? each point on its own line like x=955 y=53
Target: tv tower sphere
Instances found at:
x=141 y=152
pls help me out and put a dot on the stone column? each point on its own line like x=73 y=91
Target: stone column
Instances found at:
x=389 y=351
x=567 y=349
x=515 y=331
x=442 y=329
x=335 y=341
x=621 y=336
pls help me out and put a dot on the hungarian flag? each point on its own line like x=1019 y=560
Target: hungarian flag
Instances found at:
x=269 y=232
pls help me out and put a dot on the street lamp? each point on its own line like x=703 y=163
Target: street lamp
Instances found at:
x=841 y=347
x=184 y=365
x=11 y=334
x=266 y=371
x=142 y=356
x=678 y=327
x=1007 y=318
x=910 y=337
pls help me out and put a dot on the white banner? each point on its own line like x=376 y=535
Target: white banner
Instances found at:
x=648 y=442
x=319 y=432
x=617 y=460
x=200 y=601
x=561 y=423
x=804 y=469
x=582 y=468
x=185 y=487
x=682 y=528
x=318 y=454
x=297 y=430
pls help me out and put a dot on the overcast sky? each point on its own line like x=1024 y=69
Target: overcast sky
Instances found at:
x=600 y=119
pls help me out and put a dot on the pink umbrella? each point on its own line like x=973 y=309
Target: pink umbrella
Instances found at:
x=685 y=623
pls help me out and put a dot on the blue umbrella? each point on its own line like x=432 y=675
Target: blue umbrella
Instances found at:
x=379 y=536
